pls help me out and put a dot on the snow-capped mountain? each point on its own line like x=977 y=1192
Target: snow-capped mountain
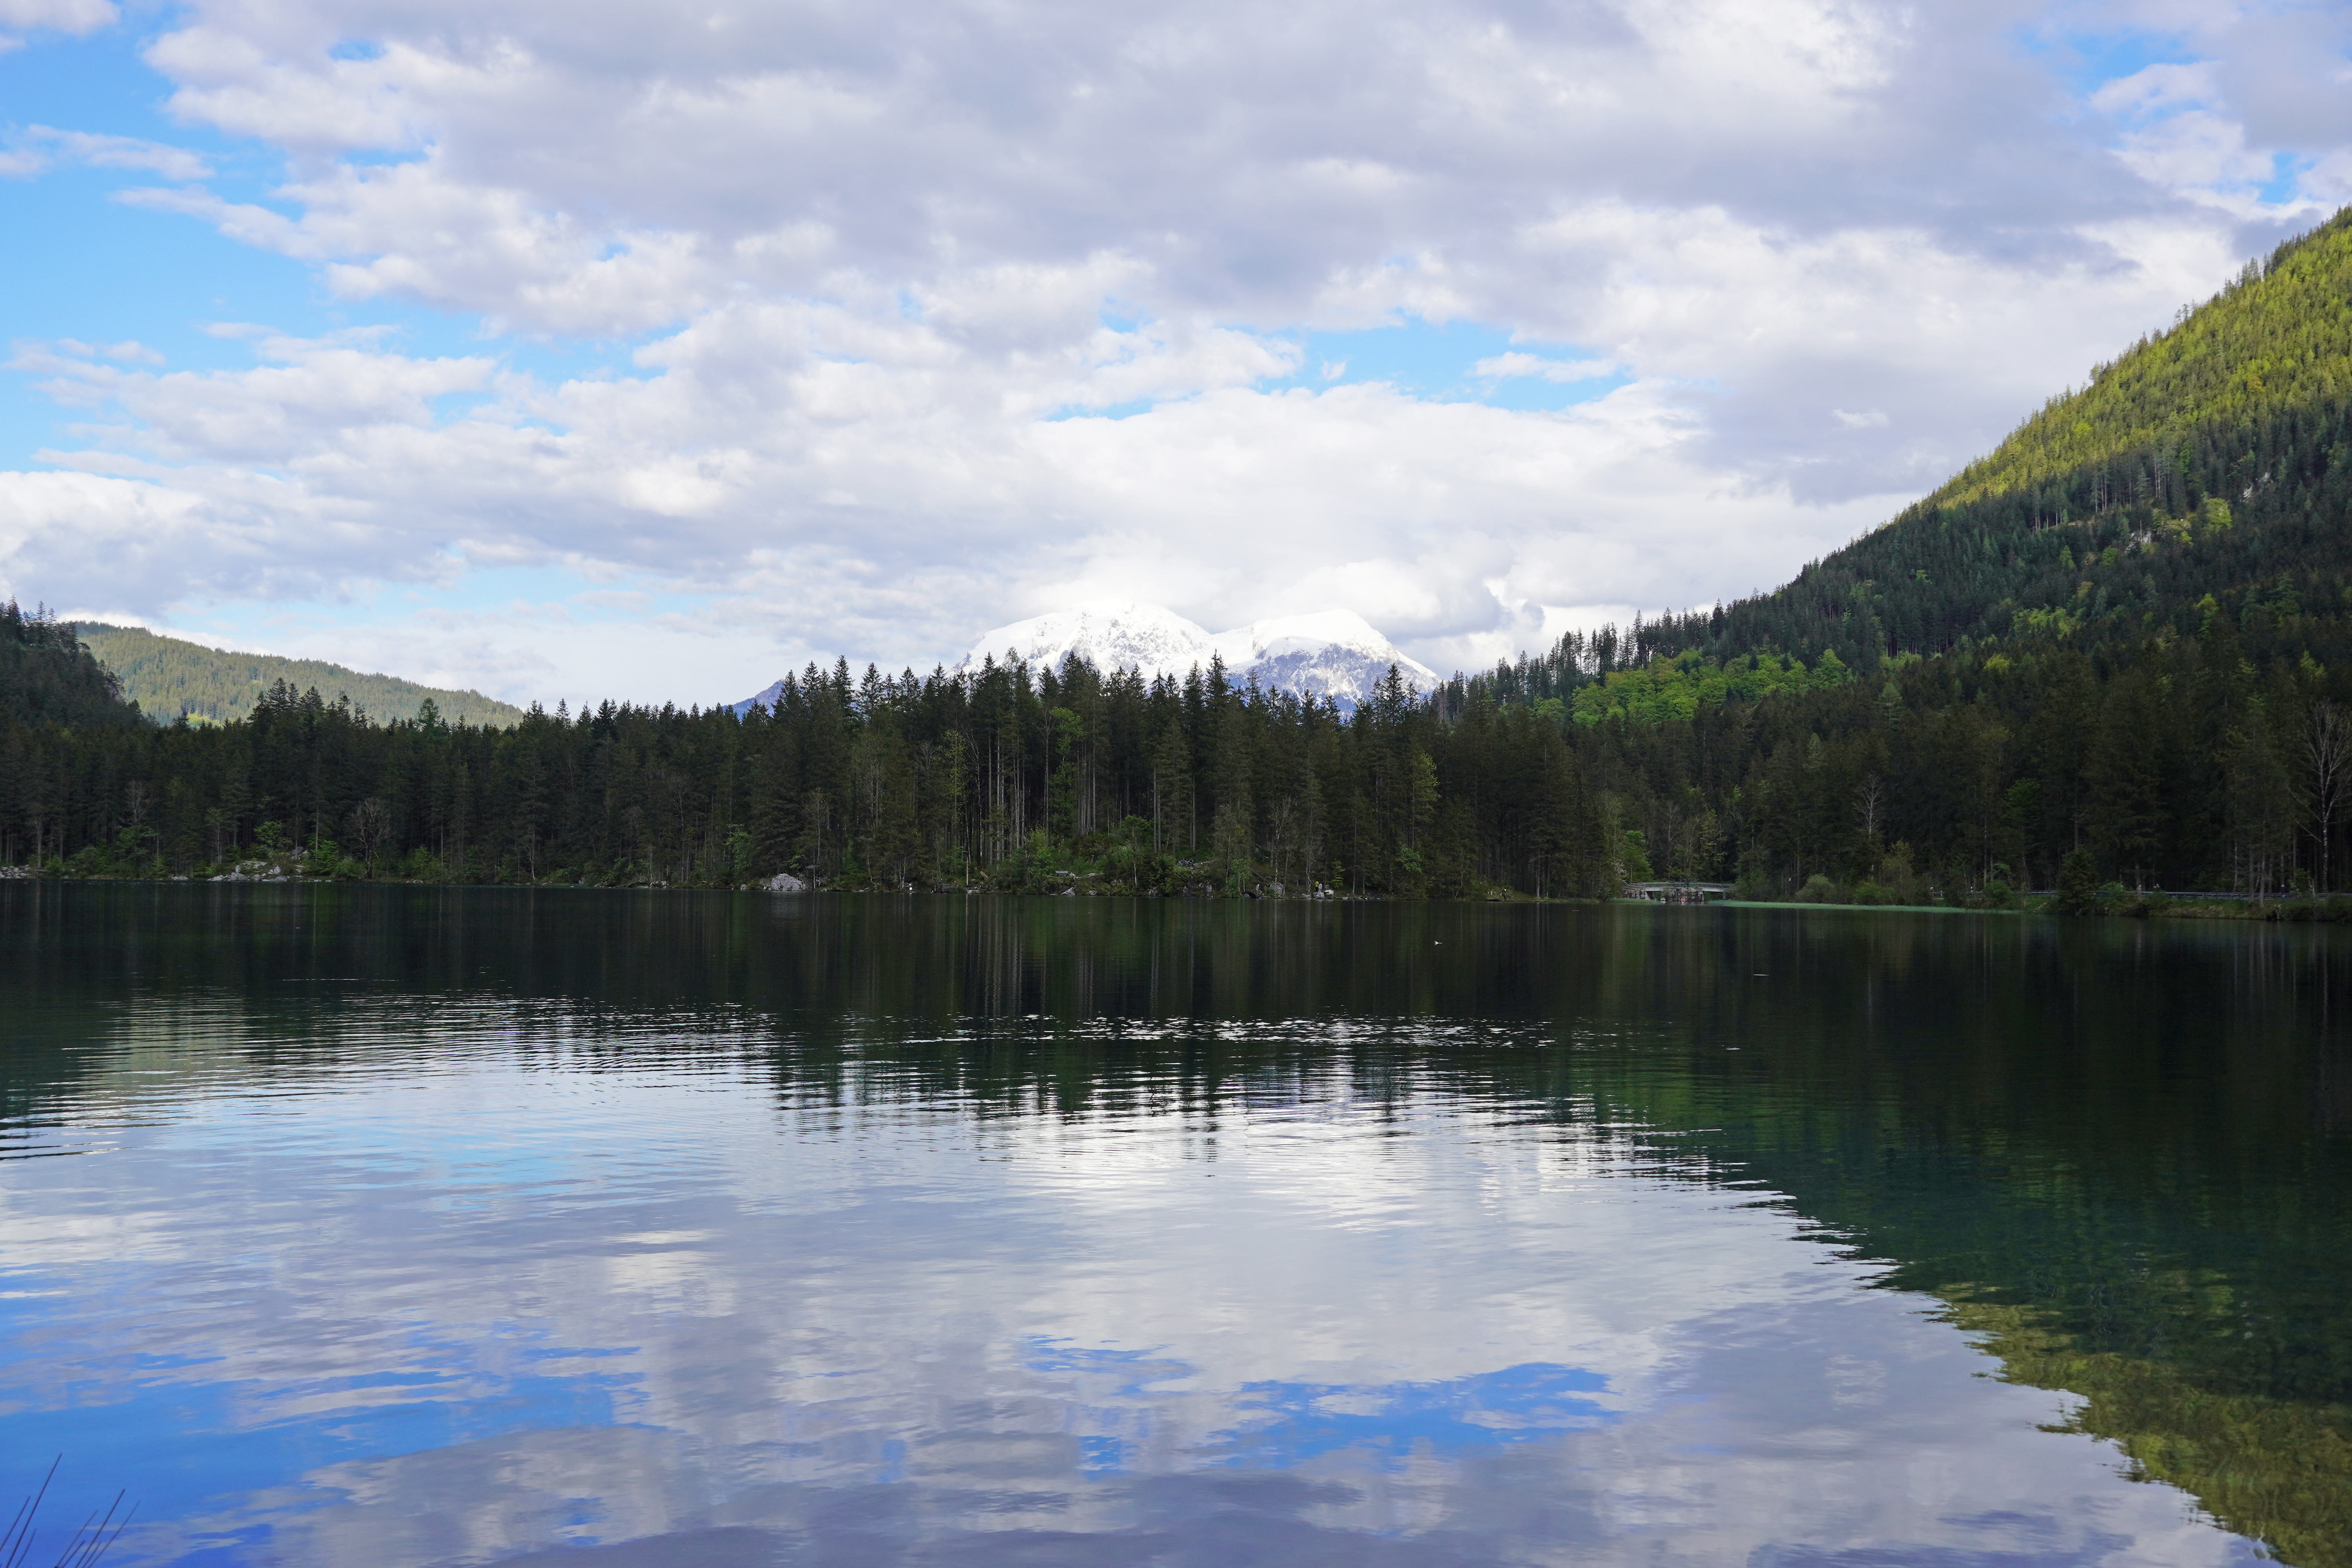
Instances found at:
x=1109 y=634
x=1333 y=654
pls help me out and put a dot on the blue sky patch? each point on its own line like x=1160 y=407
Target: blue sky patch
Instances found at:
x=2286 y=178
x=1442 y=364
x=1127 y=410
x=85 y=265
x=1458 y=362
x=2085 y=62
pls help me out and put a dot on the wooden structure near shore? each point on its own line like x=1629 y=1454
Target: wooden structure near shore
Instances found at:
x=1678 y=892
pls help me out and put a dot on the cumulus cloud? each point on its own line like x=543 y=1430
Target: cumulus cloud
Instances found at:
x=76 y=17
x=38 y=148
x=130 y=350
x=916 y=320
x=1516 y=363
x=1046 y=131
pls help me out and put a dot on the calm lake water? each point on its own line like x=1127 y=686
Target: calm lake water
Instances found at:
x=392 y=1226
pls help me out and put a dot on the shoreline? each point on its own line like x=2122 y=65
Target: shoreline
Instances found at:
x=2335 y=909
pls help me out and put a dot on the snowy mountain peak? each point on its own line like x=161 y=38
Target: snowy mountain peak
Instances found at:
x=1109 y=634
x=1336 y=629
x=1332 y=654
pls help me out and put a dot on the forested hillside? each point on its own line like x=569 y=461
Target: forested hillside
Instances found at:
x=49 y=679
x=2121 y=498
x=2118 y=649
x=2126 y=630
x=168 y=677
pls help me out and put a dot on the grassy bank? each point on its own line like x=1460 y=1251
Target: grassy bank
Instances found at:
x=1875 y=907
x=2126 y=905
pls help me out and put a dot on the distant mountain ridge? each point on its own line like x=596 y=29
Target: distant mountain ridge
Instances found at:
x=168 y=677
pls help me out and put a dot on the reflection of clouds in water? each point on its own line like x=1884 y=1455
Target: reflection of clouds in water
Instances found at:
x=467 y=1502
x=31 y=1239
x=1458 y=1244
x=471 y=1497
x=483 y=1307
x=672 y=1278
x=1285 y=1424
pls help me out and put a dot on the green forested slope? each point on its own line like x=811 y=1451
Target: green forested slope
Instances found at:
x=2278 y=337
x=2126 y=631
x=167 y=677
x=2116 y=496
x=46 y=677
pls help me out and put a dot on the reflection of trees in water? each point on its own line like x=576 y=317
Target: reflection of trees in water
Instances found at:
x=2116 y=1149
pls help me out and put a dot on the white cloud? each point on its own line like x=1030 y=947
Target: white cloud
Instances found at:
x=2156 y=88
x=1526 y=364
x=76 y=17
x=38 y=148
x=946 y=130
x=875 y=504
x=877 y=279
x=131 y=352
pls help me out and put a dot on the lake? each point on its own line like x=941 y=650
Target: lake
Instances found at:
x=396 y=1227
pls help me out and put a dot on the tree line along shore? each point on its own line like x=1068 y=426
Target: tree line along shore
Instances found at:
x=1959 y=780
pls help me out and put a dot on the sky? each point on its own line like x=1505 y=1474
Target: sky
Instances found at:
x=603 y=348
